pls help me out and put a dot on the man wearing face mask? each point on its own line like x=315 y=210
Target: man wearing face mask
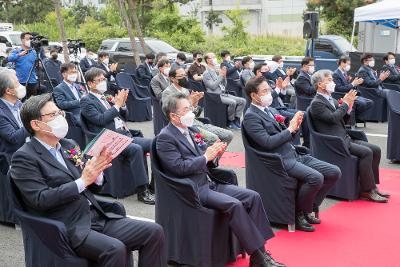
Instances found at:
x=247 y=73
x=344 y=84
x=161 y=81
x=265 y=133
x=289 y=72
x=180 y=61
x=53 y=66
x=179 y=84
x=24 y=59
x=67 y=94
x=100 y=113
x=54 y=186
x=88 y=61
x=303 y=84
x=197 y=69
x=370 y=76
x=216 y=83
x=390 y=65
x=110 y=71
x=145 y=69
x=12 y=132
x=329 y=118
x=182 y=157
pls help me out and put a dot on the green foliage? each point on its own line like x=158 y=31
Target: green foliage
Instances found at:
x=26 y=11
x=213 y=18
x=338 y=14
x=236 y=32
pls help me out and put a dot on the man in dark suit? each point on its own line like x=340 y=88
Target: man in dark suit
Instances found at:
x=67 y=94
x=329 y=117
x=303 y=84
x=53 y=65
x=232 y=69
x=145 y=69
x=344 y=85
x=315 y=177
x=99 y=113
x=54 y=186
x=12 y=133
x=370 y=77
x=181 y=157
x=88 y=61
x=110 y=71
x=390 y=65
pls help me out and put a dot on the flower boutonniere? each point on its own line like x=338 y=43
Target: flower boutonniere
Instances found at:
x=280 y=119
x=199 y=139
x=340 y=102
x=75 y=155
x=110 y=99
x=82 y=90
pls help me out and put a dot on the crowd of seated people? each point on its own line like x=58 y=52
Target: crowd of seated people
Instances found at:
x=33 y=130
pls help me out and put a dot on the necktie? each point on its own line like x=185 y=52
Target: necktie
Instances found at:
x=187 y=135
x=105 y=102
x=58 y=157
x=269 y=113
x=75 y=92
x=331 y=101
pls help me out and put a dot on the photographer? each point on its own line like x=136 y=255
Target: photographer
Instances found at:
x=24 y=59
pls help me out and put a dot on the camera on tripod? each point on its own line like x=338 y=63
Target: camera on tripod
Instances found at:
x=75 y=46
x=37 y=41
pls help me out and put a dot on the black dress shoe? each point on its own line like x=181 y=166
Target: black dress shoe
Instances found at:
x=258 y=259
x=302 y=224
x=373 y=196
x=146 y=197
x=381 y=193
x=272 y=262
x=311 y=219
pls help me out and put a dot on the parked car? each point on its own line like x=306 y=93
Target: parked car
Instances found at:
x=120 y=49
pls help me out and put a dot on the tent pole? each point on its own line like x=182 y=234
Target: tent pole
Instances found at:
x=352 y=35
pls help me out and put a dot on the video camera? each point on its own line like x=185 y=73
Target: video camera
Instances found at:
x=37 y=41
x=75 y=45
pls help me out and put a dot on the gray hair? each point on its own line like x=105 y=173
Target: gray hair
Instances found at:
x=31 y=110
x=6 y=81
x=170 y=104
x=93 y=73
x=318 y=76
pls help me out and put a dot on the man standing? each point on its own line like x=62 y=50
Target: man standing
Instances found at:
x=197 y=69
x=216 y=83
x=88 y=61
x=53 y=186
x=265 y=133
x=328 y=118
x=303 y=84
x=181 y=157
x=24 y=60
x=53 y=66
x=161 y=80
x=145 y=69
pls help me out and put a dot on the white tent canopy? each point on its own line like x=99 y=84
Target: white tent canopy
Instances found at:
x=385 y=10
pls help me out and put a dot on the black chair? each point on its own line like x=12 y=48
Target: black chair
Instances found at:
x=303 y=102
x=393 y=142
x=266 y=175
x=215 y=110
x=378 y=112
x=45 y=240
x=333 y=150
x=6 y=210
x=75 y=131
x=121 y=181
x=195 y=235
x=392 y=86
x=139 y=107
x=159 y=118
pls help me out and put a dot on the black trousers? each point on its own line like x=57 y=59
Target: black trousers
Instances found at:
x=369 y=157
x=317 y=178
x=110 y=242
x=135 y=154
x=244 y=207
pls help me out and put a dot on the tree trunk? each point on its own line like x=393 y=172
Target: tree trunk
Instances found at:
x=135 y=20
x=136 y=58
x=63 y=35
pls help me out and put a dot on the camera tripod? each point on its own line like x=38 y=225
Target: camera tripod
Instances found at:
x=36 y=66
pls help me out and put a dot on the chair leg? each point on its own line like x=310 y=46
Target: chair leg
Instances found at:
x=291 y=228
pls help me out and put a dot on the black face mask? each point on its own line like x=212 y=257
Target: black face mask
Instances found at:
x=183 y=82
x=150 y=63
x=199 y=60
x=54 y=56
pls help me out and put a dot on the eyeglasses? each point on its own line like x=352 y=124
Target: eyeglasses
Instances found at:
x=54 y=114
x=99 y=80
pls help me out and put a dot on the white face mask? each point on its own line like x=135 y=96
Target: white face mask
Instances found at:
x=20 y=91
x=59 y=126
x=101 y=87
x=214 y=61
x=371 y=63
x=281 y=65
x=266 y=100
x=347 y=68
x=392 y=61
x=106 y=61
x=188 y=119
x=330 y=87
x=72 y=77
x=27 y=43
x=252 y=64
x=166 y=71
x=311 y=69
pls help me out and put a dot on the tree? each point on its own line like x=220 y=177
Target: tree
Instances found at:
x=135 y=21
x=337 y=14
x=236 y=33
x=63 y=35
x=213 y=19
x=26 y=11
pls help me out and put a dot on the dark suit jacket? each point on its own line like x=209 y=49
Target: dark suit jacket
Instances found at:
x=66 y=100
x=97 y=116
x=85 y=65
x=329 y=120
x=394 y=76
x=265 y=134
x=12 y=137
x=278 y=73
x=144 y=71
x=369 y=76
x=232 y=72
x=342 y=84
x=303 y=85
x=48 y=189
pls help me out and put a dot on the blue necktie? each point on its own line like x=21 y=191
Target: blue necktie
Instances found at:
x=269 y=113
x=53 y=151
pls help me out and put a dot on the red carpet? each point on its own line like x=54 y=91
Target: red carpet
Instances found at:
x=353 y=234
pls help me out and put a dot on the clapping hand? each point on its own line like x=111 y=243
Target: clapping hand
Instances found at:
x=95 y=166
x=113 y=67
x=384 y=75
x=350 y=97
x=195 y=97
x=214 y=151
x=121 y=97
x=357 y=81
x=290 y=71
x=295 y=123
